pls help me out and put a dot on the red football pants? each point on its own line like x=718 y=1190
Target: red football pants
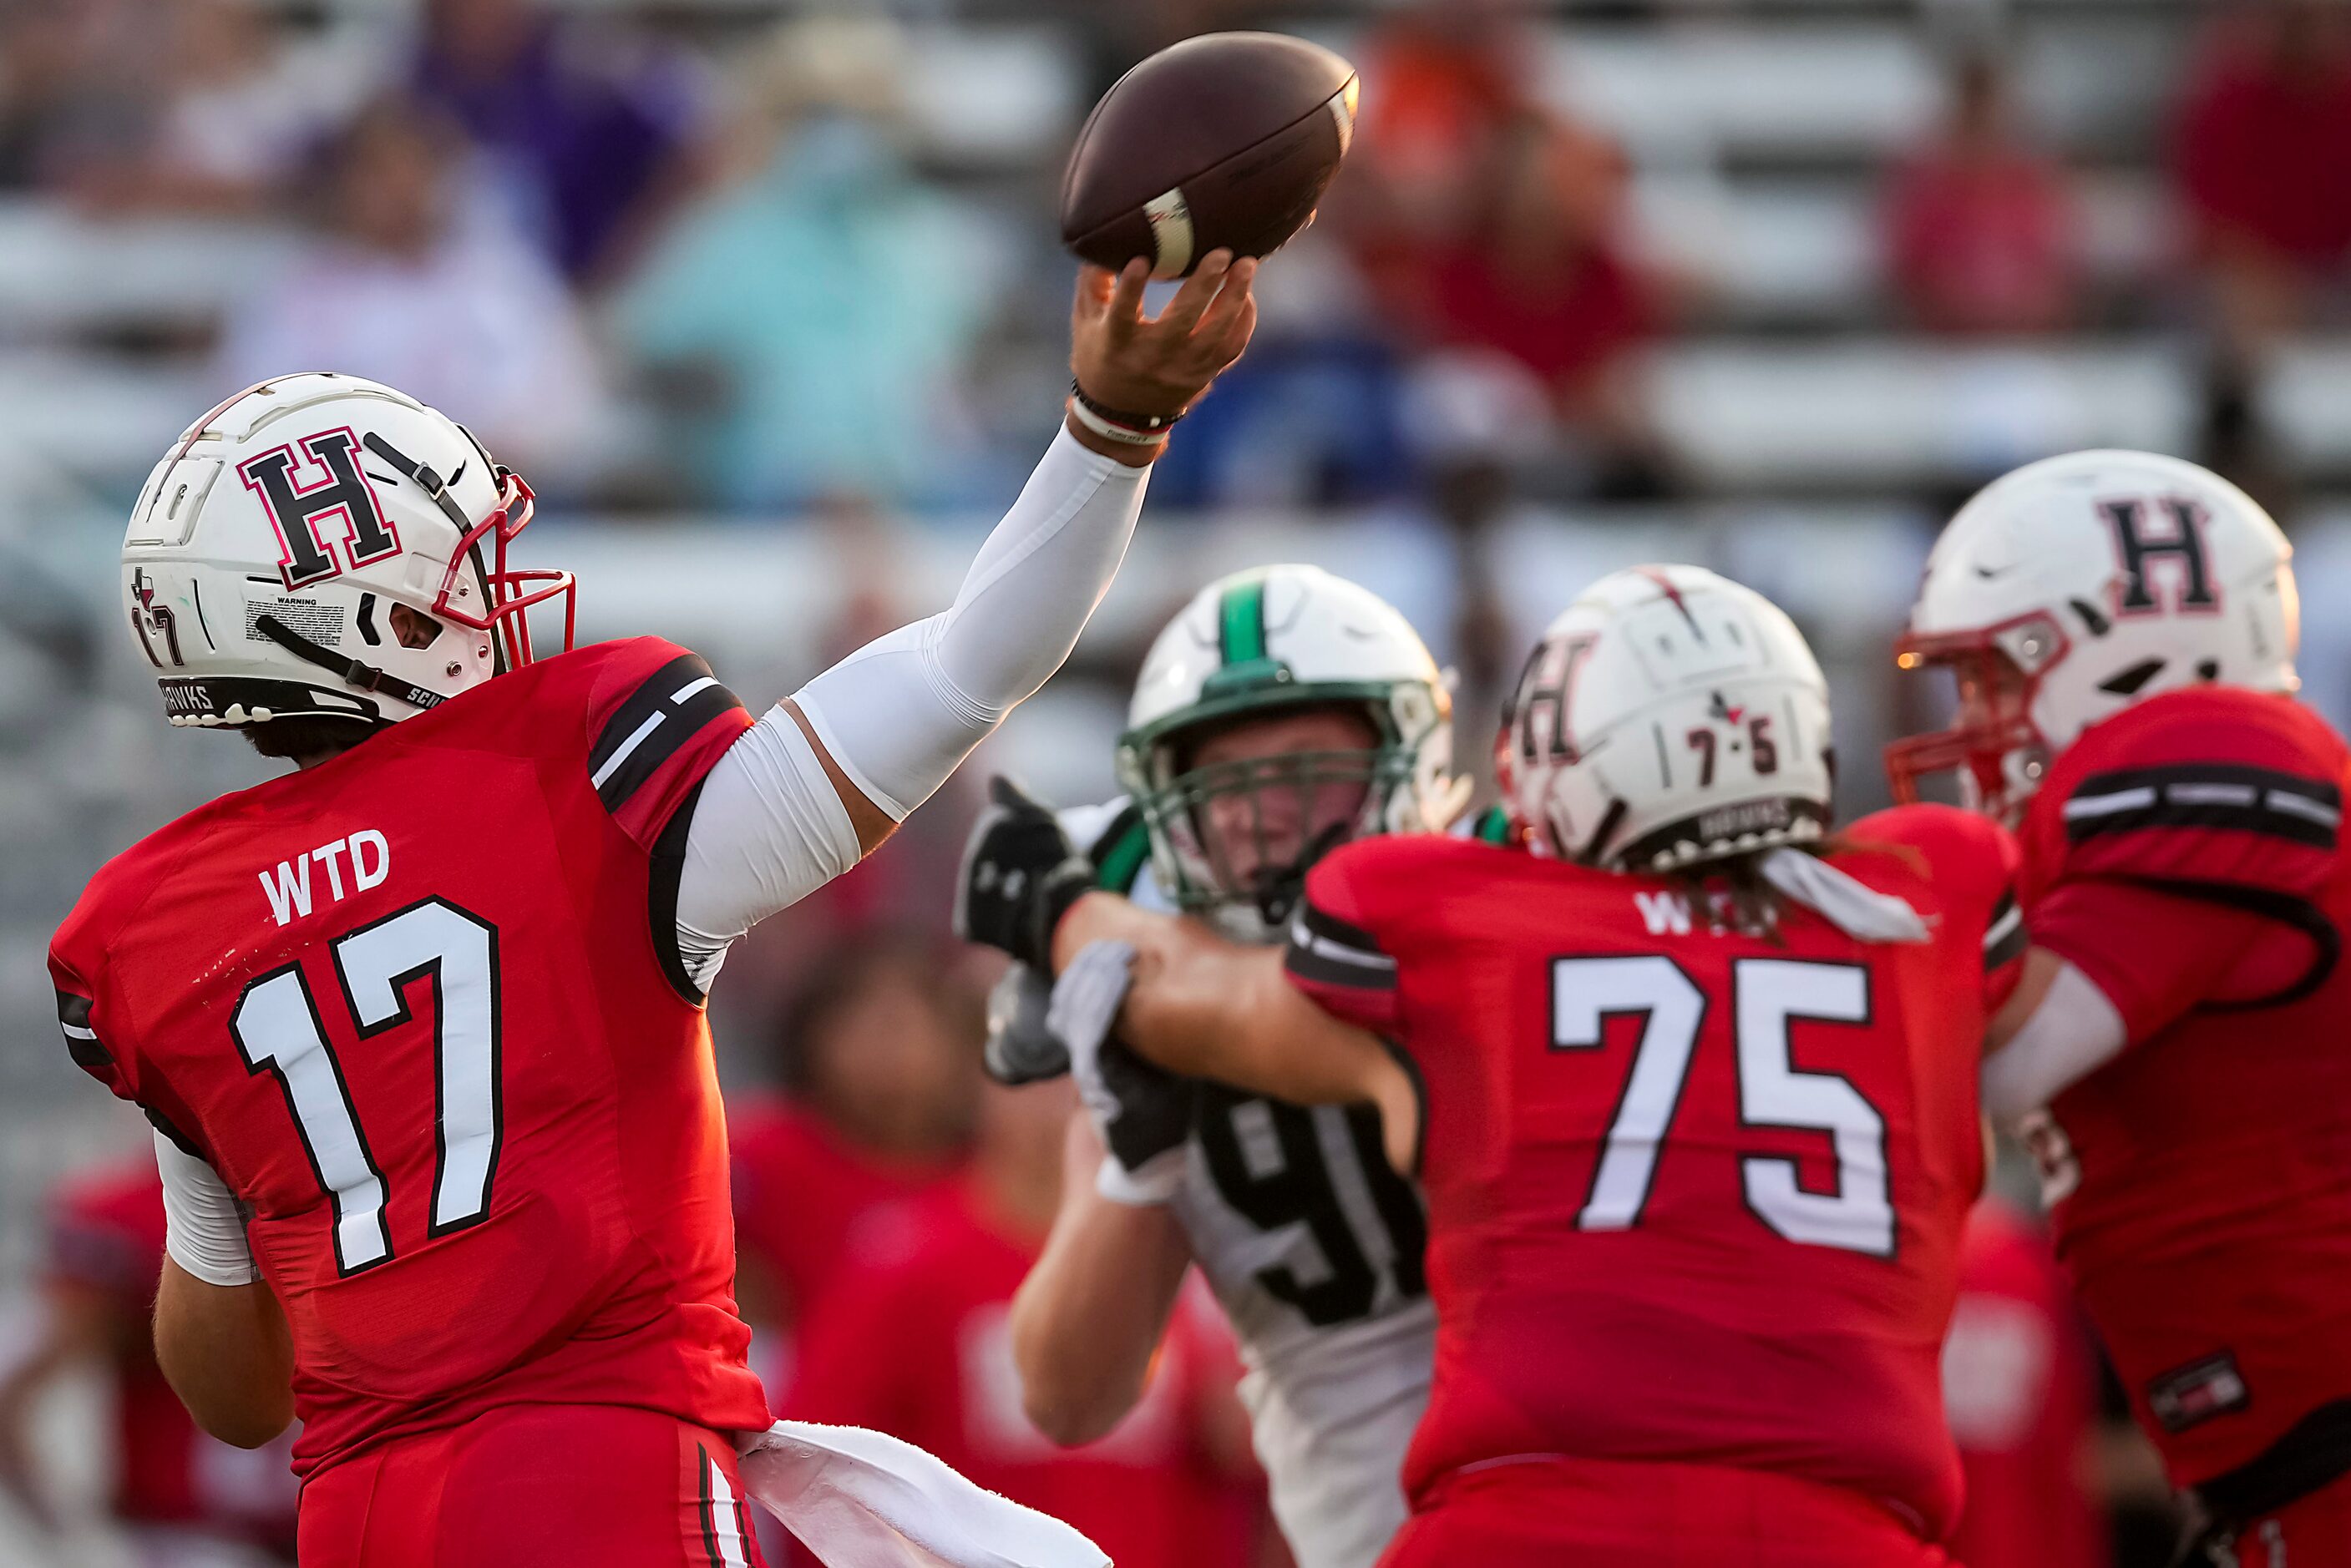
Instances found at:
x=2312 y=1532
x=1598 y=1514
x=581 y=1486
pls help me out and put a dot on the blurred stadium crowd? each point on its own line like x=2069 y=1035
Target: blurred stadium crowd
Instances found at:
x=766 y=302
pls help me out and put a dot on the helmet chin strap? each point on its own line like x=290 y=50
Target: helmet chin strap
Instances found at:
x=366 y=677
x=1279 y=891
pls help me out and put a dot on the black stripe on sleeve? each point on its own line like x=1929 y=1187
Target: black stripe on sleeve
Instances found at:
x=82 y=1042
x=161 y=1124
x=1330 y=927
x=660 y=716
x=2005 y=938
x=1326 y=951
x=668 y=870
x=2216 y=796
x=1317 y=970
x=2297 y=914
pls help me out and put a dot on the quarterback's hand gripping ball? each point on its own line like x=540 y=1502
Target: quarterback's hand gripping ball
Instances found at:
x=1021 y=874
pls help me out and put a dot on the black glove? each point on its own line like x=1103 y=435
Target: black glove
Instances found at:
x=1021 y=874
x=1150 y=1114
x=1021 y=1049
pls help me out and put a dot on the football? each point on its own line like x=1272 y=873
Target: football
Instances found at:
x=1224 y=141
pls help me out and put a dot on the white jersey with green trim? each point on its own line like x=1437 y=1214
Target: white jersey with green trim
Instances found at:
x=1312 y=1244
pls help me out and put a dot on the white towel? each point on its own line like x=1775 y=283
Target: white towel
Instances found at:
x=1858 y=911
x=862 y=1500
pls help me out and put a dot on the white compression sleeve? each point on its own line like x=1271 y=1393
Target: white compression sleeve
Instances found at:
x=203 y=1231
x=899 y=713
x=768 y=830
x=2073 y=1031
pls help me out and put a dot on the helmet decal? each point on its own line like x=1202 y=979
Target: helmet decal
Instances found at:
x=147 y=616
x=1538 y=710
x=297 y=510
x=1241 y=623
x=2137 y=549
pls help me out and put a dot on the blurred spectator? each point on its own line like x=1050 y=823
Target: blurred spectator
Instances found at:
x=169 y=105
x=1441 y=79
x=77 y=80
x=819 y=307
x=876 y=1053
x=1979 y=230
x=404 y=287
x=2261 y=155
x=2020 y=1388
x=588 y=137
x=234 y=112
x=186 y=1499
x=916 y=1341
x=1539 y=271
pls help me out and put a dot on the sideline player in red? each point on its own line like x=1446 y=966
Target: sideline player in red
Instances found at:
x=2020 y=1387
x=916 y=1340
x=880 y=1112
x=428 y=1010
x=185 y=1498
x=2123 y=628
x=1701 y=1132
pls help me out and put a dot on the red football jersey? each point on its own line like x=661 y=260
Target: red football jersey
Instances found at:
x=2021 y=1390
x=106 y=1238
x=1693 y=1197
x=2186 y=856
x=915 y=1340
x=803 y=1194
x=421 y=1008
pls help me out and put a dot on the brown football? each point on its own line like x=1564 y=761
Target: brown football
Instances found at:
x=1226 y=140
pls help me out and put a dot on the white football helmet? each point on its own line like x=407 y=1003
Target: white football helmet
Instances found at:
x=1266 y=640
x=1669 y=717
x=2068 y=590
x=269 y=545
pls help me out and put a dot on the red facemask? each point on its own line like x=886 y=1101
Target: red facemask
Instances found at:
x=512 y=591
x=1994 y=724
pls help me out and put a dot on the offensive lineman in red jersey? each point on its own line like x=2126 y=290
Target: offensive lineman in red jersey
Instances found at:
x=2123 y=628
x=419 y=1025
x=1700 y=1131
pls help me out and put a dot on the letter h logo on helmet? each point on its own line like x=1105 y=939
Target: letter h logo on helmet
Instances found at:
x=1538 y=711
x=2140 y=550
x=297 y=510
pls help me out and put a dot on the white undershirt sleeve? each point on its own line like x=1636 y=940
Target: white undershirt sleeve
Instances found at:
x=2075 y=1030
x=768 y=829
x=203 y=1231
x=901 y=712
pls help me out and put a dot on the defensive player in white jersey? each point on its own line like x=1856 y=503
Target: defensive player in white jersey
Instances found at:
x=1283 y=712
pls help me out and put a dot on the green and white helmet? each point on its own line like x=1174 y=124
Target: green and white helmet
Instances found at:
x=1259 y=642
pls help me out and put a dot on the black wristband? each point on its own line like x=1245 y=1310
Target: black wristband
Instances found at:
x=1059 y=889
x=1151 y=424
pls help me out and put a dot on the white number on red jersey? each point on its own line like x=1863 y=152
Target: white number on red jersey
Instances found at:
x=1769 y=995
x=277 y=1030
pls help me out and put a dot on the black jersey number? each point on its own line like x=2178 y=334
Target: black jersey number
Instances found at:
x=279 y=1031
x=1291 y=1182
x=1769 y=996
